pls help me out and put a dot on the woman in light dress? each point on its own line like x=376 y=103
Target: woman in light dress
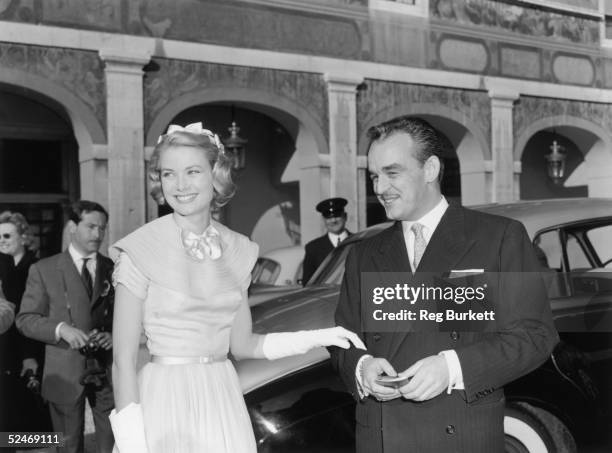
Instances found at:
x=184 y=279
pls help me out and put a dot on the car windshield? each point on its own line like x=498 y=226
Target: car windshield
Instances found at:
x=265 y=271
x=331 y=270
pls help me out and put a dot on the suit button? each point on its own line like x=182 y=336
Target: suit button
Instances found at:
x=376 y=337
x=450 y=429
x=454 y=335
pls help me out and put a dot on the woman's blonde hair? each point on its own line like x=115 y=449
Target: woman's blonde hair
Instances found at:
x=22 y=226
x=220 y=162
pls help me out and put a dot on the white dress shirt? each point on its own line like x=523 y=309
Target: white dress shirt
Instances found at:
x=430 y=222
x=337 y=238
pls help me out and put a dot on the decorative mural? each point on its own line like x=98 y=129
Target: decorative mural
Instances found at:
x=531 y=109
x=174 y=78
x=379 y=96
x=226 y=22
x=506 y=16
x=80 y=72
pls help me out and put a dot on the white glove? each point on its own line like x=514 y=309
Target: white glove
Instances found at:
x=128 y=429
x=284 y=344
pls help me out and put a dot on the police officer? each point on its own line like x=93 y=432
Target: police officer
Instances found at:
x=334 y=216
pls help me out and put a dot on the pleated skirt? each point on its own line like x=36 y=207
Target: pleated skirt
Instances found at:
x=194 y=408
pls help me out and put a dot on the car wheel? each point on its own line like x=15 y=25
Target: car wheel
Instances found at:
x=529 y=429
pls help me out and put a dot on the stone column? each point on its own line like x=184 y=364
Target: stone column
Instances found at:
x=125 y=135
x=343 y=174
x=502 y=144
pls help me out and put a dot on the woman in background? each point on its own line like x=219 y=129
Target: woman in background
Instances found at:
x=22 y=357
x=184 y=278
x=16 y=241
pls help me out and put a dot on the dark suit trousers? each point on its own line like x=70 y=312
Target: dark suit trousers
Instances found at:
x=70 y=419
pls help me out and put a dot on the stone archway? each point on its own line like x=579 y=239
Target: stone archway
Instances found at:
x=468 y=139
x=88 y=131
x=310 y=140
x=593 y=141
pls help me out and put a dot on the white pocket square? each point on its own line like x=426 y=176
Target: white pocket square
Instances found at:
x=464 y=272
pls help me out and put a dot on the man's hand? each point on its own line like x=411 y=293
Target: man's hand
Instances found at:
x=373 y=368
x=75 y=338
x=103 y=339
x=29 y=364
x=429 y=379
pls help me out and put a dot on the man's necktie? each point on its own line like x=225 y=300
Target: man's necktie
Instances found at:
x=420 y=244
x=86 y=276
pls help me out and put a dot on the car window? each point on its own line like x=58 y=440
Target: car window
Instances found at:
x=265 y=271
x=548 y=250
x=308 y=411
x=601 y=239
x=576 y=255
x=331 y=270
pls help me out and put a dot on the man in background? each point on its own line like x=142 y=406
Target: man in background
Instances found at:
x=67 y=304
x=317 y=250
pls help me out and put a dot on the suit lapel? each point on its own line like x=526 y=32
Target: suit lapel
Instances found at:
x=392 y=255
x=448 y=244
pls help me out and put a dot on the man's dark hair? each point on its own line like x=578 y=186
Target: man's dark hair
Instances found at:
x=78 y=208
x=427 y=138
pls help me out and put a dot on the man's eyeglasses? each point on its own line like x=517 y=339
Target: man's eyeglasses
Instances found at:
x=6 y=235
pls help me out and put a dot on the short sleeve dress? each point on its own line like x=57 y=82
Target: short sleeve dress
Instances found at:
x=188 y=312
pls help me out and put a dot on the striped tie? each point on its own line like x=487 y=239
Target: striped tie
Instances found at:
x=419 y=244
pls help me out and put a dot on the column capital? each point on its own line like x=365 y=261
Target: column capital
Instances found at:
x=342 y=81
x=501 y=90
x=123 y=60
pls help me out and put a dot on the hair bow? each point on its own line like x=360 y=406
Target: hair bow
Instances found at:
x=200 y=246
x=194 y=128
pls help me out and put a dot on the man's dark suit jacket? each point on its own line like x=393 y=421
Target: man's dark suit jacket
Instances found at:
x=316 y=251
x=465 y=421
x=55 y=292
x=6 y=276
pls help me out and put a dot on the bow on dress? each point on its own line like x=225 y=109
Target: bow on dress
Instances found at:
x=201 y=246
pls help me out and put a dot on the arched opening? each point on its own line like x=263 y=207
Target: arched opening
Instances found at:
x=465 y=179
x=39 y=169
x=266 y=204
x=534 y=180
x=297 y=125
x=588 y=159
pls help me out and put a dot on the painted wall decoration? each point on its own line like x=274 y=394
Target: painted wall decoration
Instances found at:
x=79 y=72
x=174 y=78
x=226 y=22
x=378 y=97
x=500 y=15
x=528 y=110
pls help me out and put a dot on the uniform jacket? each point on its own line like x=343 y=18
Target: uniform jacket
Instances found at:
x=316 y=251
x=54 y=293
x=469 y=421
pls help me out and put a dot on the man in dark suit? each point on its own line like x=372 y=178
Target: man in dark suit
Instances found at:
x=7 y=316
x=317 y=250
x=6 y=270
x=454 y=400
x=67 y=304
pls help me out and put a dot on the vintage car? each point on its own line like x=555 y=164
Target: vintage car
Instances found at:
x=276 y=273
x=299 y=404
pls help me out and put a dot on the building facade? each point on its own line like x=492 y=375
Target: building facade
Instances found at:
x=87 y=87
